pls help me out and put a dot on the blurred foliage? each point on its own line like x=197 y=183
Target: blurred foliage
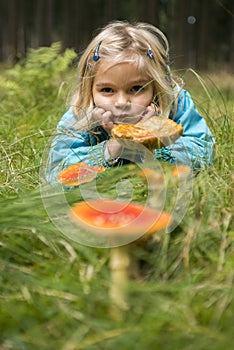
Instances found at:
x=34 y=78
x=32 y=95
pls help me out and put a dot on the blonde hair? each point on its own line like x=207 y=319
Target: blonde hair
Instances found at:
x=122 y=41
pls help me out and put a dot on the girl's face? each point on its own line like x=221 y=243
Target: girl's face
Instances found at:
x=122 y=89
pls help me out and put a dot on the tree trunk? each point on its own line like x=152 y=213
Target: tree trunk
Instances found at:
x=204 y=32
x=43 y=19
x=21 y=46
x=181 y=35
x=148 y=11
x=231 y=55
x=10 y=35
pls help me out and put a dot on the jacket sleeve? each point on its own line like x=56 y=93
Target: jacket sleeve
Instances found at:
x=196 y=144
x=71 y=146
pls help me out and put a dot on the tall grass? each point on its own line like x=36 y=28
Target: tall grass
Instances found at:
x=54 y=291
x=32 y=100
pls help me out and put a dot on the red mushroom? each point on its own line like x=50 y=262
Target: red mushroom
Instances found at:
x=76 y=174
x=117 y=219
x=181 y=170
x=158 y=175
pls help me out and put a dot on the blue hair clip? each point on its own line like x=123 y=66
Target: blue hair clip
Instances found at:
x=96 y=52
x=150 y=52
x=168 y=75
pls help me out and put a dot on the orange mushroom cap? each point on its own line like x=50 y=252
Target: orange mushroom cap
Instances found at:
x=76 y=174
x=158 y=176
x=152 y=175
x=181 y=170
x=118 y=217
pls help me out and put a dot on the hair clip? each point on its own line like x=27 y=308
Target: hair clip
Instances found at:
x=150 y=52
x=96 y=52
x=169 y=73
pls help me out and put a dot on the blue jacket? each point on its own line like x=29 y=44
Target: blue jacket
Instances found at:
x=193 y=148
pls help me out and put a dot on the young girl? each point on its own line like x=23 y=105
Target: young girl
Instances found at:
x=124 y=77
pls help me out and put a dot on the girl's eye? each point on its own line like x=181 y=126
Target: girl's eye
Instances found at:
x=137 y=88
x=107 y=90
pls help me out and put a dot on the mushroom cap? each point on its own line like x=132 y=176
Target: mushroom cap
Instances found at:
x=181 y=170
x=76 y=174
x=158 y=176
x=113 y=217
x=155 y=132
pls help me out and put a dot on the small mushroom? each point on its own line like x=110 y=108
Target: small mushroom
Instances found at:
x=116 y=220
x=79 y=173
x=182 y=171
x=153 y=176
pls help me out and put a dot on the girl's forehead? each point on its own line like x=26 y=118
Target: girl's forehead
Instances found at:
x=107 y=66
x=119 y=74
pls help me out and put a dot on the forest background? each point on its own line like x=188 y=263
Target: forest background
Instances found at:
x=201 y=33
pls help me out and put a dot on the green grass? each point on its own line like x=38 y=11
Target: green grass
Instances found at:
x=54 y=291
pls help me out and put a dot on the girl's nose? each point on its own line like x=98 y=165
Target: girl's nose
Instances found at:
x=122 y=100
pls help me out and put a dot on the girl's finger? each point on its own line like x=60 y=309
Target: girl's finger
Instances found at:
x=107 y=118
x=98 y=112
x=148 y=113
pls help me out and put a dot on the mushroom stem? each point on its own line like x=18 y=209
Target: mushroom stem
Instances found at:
x=119 y=266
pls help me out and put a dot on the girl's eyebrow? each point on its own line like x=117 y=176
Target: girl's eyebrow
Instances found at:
x=104 y=84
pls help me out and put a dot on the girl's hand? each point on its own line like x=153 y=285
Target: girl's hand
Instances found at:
x=107 y=120
x=122 y=148
x=113 y=150
x=149 y=112
x=97 y=117
x=104 y=117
